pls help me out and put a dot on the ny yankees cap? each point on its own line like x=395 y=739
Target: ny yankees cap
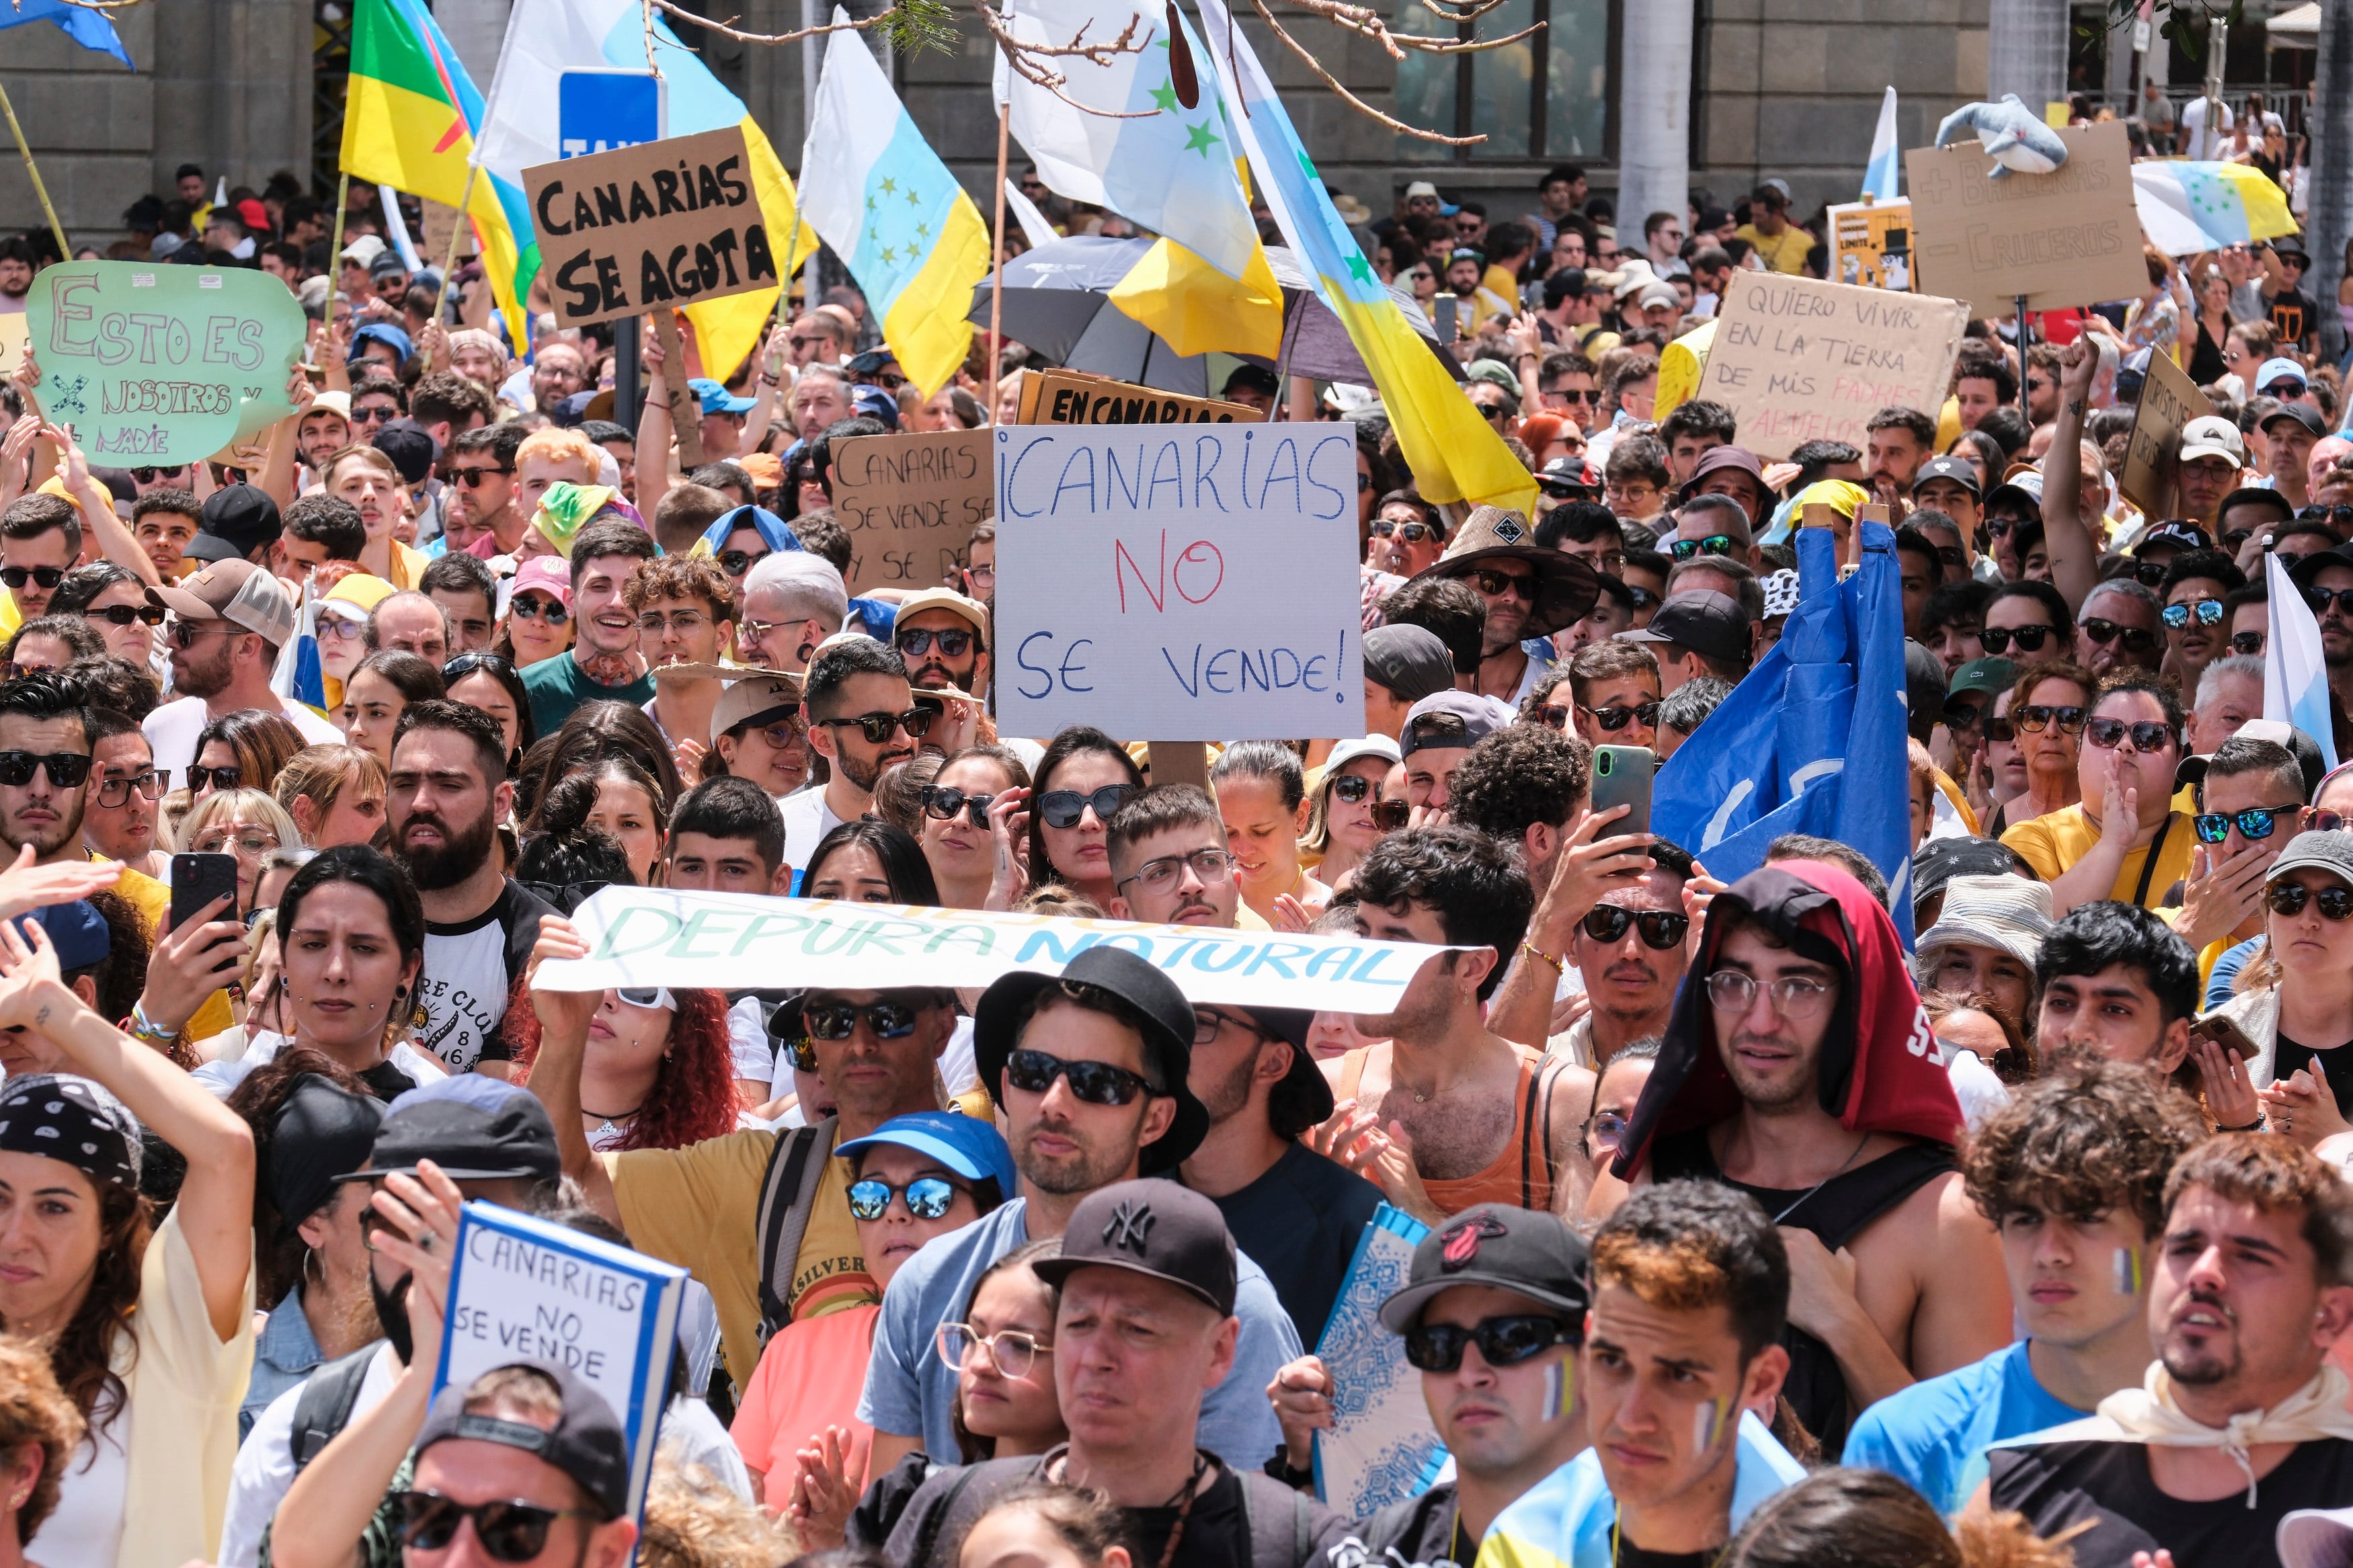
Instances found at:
x=1530 y=1253
x=1154 y=1227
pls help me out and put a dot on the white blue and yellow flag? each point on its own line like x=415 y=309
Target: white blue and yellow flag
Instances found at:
x=1161 y=163
x=875 y=191
x=2187 y=208
x=1883 y=176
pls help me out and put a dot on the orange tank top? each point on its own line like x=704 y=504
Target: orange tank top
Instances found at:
x=1521 y=1176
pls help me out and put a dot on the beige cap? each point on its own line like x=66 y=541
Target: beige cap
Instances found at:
x=972 y=610
x=756 y=697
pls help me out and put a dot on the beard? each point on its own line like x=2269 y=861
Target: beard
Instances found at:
x=1083 y=1171
x=1230 y=1096
x=1772 y=1094
x=938 y=676
x=864 y=773
x=2205 y=1367
x=208 y=677
x=444 y=865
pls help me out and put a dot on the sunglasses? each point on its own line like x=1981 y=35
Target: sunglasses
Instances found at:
x=2001 y=730
x=2147 y=735
x=877 y=727
x=2134 y=639
x=2318 y=598
x=832 y=1021
x=2289 y=898
x=537 y=609
x=736 y=562
x=1065 y=807
x=1644 y=597
x=67 y=769
x=1564 y=490
x=1411 y=532
x=150 y=786
x=1959 y=715
x=149 y=475
x=1662 y=929
x=2335 y=516
x=1552 y=716
x=1590 y=396
x=509 y=1531
x=123 y=614
x=222 y=778
x=942 y=803
x=2207 y=612
x=650 y=998
x=1713 y=544
x=2248 y=643
x=467 y=664
x=954 y=644
x=1353 y=787
x=2256 y=822
x=927 y=1197
x=2029 y=639
x=1494 y=584
x=476 y=477
x=1503 y=1341
x=2148 y=573
x=1614 y=719
x=1095 y=1083
x=2034 y=718
x=370 y=416
x=46 y=576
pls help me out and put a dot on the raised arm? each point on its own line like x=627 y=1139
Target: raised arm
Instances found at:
x=654 y=432
x=115 y=542
x=276 y=478
x=2067 y=535
x=556 y=1071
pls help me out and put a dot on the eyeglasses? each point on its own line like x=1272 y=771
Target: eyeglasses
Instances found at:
x=2035 y=717
x=1996 y=640
x=1607 y=1130
x=1713 y=544
x=683 y=622
x=1503 y=1341
x=340 y=628
x=736 y=562
x=67 y=770
x=370 y=416
x=981 y=573
x=2148 y=573
x=1067 y=807
x=46 y=576
x=2137 y=639
x=953 y=643
x=1013 y=1352
x=1211 y=866
x=2248 y=643
x=123 y=614
x=467 y=664
x=1411 y=532
x=222 y=778
x=1793 y=997
x=1552 y=716
x=1614 y=719
x=2004 y=730
x=509 y=1531
x=832 y=1021
x=534 y=608
x=150 y=785
x=1494 y=584
x=1960 y=715
x=2318 y=598
x=927 y=1197
x=247 y=845
x=1663 y=930
x=2147 y=735
x=2256 y=822
x=877 y=727
x=149 y=475
x=476 y=477
x=1095 y=1083
x=2208 y=613
x=2289 y=897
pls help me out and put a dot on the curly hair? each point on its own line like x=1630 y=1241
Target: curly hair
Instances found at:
x=694 y=1522
x=33 y=1409
x=2091 y=1137
x=694 y=1093
x=1521 y=775
x=681 y=577
x=1477 y=887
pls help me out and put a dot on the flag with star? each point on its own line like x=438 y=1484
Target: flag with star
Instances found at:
x=2188 y=208
x=1456 y=455
x=1164 y=163
x=877 y=193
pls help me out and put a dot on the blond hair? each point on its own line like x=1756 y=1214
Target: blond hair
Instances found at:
x=563 y=447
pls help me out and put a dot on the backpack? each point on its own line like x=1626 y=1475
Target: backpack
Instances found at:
x=788 y=1193
x=323 y=1408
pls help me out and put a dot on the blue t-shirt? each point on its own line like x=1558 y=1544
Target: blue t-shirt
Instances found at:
x=1934 y=1434
x=2226 y=971
x=909 y=1389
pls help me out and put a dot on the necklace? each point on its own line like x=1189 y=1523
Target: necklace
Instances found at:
x=1826 y=1180
x=1181 y=1499
x=609 y=1125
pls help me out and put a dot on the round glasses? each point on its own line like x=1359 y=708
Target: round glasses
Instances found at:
x=1013 y=1352
x=1794 y=996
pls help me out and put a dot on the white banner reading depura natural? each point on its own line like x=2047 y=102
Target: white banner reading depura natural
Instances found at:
x=653 y=936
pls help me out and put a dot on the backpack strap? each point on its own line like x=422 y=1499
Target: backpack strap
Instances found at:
x=1265 y=1504
x=786 y=1197
x=323 y=1408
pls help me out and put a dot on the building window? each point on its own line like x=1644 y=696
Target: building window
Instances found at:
x=1548 y=97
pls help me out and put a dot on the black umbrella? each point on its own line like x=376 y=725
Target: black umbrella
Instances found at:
x=1058 y=301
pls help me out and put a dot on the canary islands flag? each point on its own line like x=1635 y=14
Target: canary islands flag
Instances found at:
x=410 y=117
x=547 y=38
x=877 y=193
x=2186 y=207
x=1454 y=453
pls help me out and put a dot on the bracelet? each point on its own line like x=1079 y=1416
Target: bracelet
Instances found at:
x=2257 y=1125
x=1533 y=950
x=1278 y=1467
x=140 y=1026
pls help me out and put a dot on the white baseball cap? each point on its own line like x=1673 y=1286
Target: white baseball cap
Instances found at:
x=2212 y=436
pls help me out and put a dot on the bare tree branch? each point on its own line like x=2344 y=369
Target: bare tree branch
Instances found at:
x=1023 y=59
x=1350 y=98
x=726 y=30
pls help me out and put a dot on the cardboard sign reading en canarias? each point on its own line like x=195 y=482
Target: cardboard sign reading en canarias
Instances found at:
x=2168 y=401
x=1799 y=361
x=2068 y=238
x=1075 y=397
x=910 y=503
x=670 y=222
x=155 y=365
x=1194 y=584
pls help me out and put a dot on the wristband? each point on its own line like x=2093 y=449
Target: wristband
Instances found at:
x=1278 y=1467
x=1534 y=951
x=140 y=1026
x=2257 y=1125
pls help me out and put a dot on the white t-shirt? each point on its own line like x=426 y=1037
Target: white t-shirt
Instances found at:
x=265 y=1465
x=748 y=1043
x=221 y=1076
x=2196 y=141
x=172 y=729
x=88 y=1524
x=807 y=819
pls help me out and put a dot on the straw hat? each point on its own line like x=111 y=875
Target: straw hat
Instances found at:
x=1566 y=587
x=2007 y=913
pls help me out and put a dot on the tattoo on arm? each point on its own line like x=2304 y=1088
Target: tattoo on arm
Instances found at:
x=2075 y=407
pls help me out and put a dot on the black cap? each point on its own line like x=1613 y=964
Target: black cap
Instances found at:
x=2180 y=534
x=1153 y=1227
x=243 y=515
x=997 y=1025
x=476 y=1129
x=1532 y=1253
x=322 y=1134
x=1703 y=620
x=1938 y=860
x=209 y=548
x=1409 y=661
x=1568 y=283
x=411 y=447
x=2302 y=572
x=2304 y=414
x=586 y=1443
x=1953 y=469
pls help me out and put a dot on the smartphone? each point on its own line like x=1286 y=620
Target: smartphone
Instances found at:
x=1445 y=307
x=2225 y=1034
x=197 y=880
x=1621 y=776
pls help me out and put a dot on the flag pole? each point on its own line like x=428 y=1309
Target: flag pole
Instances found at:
x=997 y=284
x=335 y=246
x=450 y=262
x=65 y=251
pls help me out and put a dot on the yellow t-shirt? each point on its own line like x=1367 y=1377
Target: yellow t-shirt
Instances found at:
x=153 y=902
x=1783 y=252
x=2052 y=843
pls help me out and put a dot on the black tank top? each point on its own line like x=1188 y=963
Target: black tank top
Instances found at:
x=1837 y=1212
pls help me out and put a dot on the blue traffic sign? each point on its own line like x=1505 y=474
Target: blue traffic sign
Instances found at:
x=599 y=110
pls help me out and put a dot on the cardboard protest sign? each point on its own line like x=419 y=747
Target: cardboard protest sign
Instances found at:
x=162 y=365
x=1799 y=361
x=2168 y=401
x=672 y=222
x=13 y=339
x=524 y=1289
x=2068 y=238
x=910 y=503
x=1380 y=1447
x=1074 y=397
x=1870 y=244
x=1186 y=585
x=658 y=936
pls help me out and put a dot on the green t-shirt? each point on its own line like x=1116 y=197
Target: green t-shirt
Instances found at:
x=558 y=685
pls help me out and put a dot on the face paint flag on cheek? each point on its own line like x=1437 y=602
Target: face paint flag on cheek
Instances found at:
x=2128 y=1281
x=1560 y=1389
x=1706 y=1422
